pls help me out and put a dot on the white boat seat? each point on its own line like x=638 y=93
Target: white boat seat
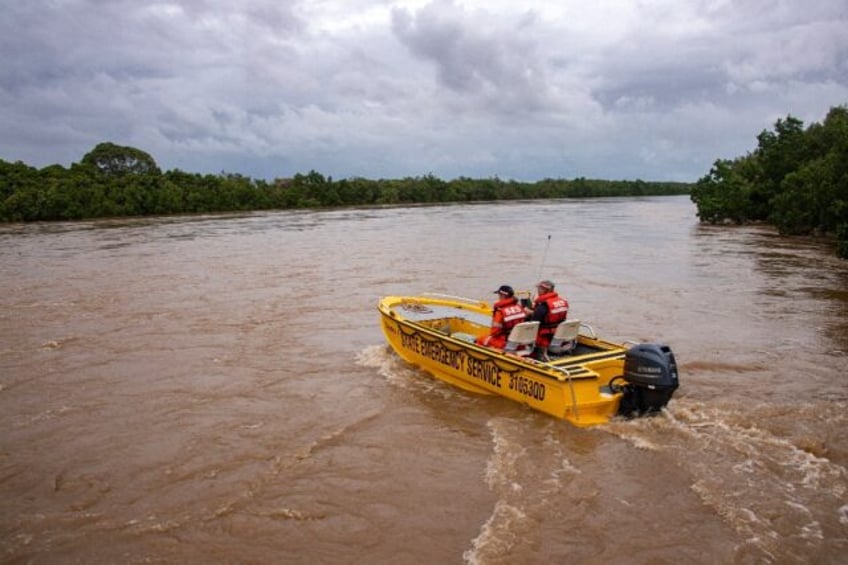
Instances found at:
x=565 y=338
x=522 y=339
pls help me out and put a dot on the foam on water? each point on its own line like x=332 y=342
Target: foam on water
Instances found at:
x=404 y=376
x=528 y=484
x=497 y=536
x=762 y=484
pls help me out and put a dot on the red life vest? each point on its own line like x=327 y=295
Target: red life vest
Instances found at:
x=557 y=312
x=508 y=313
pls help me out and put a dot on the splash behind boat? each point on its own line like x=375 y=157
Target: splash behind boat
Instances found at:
x=581 y=378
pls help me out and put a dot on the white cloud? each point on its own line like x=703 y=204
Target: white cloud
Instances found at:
x=381 y=88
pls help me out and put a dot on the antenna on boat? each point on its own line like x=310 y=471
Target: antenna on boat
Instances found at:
x=544 y=256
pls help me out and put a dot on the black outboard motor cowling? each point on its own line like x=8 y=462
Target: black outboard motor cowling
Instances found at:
x=651 y=374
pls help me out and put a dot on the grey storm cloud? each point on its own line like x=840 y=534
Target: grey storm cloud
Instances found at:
x=474 y=57
x=389 y=88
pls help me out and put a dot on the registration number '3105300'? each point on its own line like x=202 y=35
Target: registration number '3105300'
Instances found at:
x=527 y=387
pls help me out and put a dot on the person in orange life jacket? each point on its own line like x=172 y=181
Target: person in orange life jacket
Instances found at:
x=506 y=314
x=549 y=309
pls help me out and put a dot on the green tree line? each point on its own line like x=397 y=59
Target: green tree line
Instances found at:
x=796 y=179
x=113 y=180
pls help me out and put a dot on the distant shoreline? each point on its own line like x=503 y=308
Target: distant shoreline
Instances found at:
x=113 y=181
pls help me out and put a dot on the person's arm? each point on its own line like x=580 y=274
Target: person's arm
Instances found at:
x=539 y=312
x=497 y=323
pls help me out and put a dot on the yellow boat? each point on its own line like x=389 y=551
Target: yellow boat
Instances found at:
x=580 y=378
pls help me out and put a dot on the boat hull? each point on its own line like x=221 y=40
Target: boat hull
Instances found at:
x=436 y=335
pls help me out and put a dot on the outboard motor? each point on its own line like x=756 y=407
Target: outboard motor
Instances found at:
x=650 y=373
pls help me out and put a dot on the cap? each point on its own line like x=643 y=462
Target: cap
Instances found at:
x=505 y=289
x=546 y=284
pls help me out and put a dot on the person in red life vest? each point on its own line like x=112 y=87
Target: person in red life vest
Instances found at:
x=506 y=314
x=549 y=309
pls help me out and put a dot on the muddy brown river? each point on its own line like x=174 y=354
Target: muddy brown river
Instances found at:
x=216 y=389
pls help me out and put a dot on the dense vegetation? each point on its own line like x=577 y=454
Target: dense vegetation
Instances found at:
x=796 y=179
x=112 y=180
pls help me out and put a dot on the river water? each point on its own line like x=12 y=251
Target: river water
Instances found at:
x=216 y=389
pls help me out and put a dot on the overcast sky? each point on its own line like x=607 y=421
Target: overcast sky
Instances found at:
x=651 y=89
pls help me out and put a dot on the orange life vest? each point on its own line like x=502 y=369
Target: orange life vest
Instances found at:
x=506 y=314
x=557 y=312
